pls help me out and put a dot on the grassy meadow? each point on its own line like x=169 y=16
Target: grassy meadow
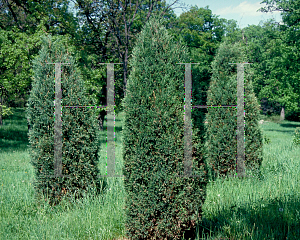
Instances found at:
x=260 y=207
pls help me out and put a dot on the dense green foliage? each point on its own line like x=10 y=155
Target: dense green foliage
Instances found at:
x=283 y=66
x=6 y=111
x=159 y=204
x=221 y=141
x=20 y=30
x=79 y=138
x=14 y=66
x=274 y=79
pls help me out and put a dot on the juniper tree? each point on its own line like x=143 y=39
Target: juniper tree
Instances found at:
x=221 y=135
x=158 y=204
x=79 y=136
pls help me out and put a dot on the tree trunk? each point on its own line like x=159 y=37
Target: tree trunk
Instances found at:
x=103 y=101
x=282 y=116
x=101 y=119
x=1 y=122
x=125 y=71
x=29 y=127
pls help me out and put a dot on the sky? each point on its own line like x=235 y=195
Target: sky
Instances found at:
x=244 y=12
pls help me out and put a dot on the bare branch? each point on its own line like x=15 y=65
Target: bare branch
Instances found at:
x=136 y=7
x=168 y=8
x=14 y=15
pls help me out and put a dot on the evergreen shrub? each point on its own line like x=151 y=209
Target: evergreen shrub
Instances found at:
x=220 y=134
x=159 y=205
x=79 y=128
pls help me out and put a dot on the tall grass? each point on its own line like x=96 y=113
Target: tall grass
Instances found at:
x=265 y=206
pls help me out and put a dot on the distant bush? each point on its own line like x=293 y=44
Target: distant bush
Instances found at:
x=296 y=137
x=267 y=140
x=6 y=111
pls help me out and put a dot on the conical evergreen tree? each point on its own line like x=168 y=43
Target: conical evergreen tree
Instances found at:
x=158 y=204
x=220 y=136
x=79 y=137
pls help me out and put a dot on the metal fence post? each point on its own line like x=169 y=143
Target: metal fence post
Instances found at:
x=240 y=162
x=110 y=121
x=58 y=123
x=188 y=146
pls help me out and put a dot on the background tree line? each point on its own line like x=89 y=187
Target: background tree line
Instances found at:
x=106 y=31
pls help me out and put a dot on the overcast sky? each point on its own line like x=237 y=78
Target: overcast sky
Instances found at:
x=244 y=12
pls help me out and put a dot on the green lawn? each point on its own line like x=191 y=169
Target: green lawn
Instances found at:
x=265 y=207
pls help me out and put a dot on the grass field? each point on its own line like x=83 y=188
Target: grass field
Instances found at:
x=265 y=207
